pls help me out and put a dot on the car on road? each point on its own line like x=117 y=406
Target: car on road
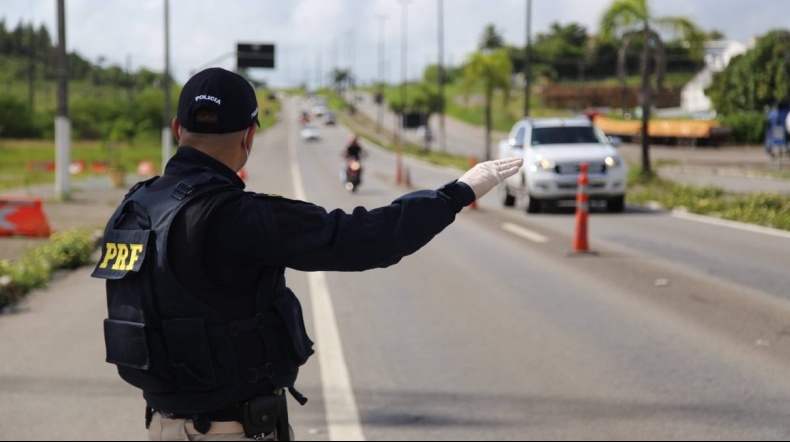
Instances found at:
x=330 y=119
x=309 y=132
x=553 y=150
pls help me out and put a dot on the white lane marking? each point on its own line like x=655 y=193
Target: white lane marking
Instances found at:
x=342 y=416
x=733 y=224
x=525 y=233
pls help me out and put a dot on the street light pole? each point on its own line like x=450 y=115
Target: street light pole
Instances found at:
x=404 y=68
x=527 y=61
x=167 y=138
x=443 y=139
x=62 y=123
x=382 y=19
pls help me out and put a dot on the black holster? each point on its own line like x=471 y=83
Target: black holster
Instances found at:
x=263 y=415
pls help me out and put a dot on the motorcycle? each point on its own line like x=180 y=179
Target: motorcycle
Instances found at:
x=352 y=175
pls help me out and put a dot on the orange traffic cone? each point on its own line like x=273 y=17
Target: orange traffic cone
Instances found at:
x=22 y=216
x=582 y=211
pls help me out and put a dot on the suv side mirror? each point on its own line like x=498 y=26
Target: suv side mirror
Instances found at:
x=615 y=141
x=515 y=144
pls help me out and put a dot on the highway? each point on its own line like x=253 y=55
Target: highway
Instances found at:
x=673 y=328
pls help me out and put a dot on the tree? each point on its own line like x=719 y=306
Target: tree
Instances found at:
x=492 y=70
x=340 y=77
x=632 y=20
x=491 y=38
x=755 y=80
x=563 y=49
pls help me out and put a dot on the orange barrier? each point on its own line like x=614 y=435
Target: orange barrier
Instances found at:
x=100 y=166
x=77 y=167
x=22 y=216
x=658 y=128
x=472 y=163
x=582 y=212
x=145 y=168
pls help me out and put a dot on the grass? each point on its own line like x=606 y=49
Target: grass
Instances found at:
x=24 y=162
x=764 y=209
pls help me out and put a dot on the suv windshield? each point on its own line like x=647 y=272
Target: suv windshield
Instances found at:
x=564 y=135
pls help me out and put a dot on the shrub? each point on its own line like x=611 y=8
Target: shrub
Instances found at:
x=64 y=250
x=747 y=127
x=16 y=119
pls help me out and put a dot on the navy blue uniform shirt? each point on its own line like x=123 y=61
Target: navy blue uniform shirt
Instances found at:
x=256 y=231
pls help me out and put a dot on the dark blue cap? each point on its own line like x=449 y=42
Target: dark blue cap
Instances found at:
x=226 y=93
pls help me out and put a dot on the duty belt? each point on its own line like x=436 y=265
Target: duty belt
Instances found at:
x=259 y=416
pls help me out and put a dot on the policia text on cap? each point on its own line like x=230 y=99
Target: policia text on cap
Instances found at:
x=199 y=314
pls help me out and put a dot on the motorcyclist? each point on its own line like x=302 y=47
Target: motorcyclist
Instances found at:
x=353 y=153
x=354 y=149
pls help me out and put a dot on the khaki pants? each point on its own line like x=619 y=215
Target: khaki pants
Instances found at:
x=162 y=428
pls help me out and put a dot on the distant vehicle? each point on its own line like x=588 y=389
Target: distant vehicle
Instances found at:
x=553 y=150
x=319 y=110
x=330 y=119
x=309 y=132
x=352 y=175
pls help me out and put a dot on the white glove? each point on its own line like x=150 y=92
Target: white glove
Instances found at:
x=485 y=176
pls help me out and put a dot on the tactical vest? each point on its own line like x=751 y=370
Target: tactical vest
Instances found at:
x=169 y=343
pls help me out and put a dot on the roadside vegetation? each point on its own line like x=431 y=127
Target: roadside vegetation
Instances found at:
x=64 y=250
x=764 y=209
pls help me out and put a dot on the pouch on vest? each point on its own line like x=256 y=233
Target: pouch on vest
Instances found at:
x=123 y=254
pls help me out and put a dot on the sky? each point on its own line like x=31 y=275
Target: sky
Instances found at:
x=311 y=37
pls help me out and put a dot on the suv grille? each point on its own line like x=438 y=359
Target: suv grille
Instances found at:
x=575 y=168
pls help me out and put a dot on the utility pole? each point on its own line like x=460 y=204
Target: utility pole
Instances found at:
x=62 y=123
x=380 y=97
x=527 y=61
x=442 y=133
x=352 y=76
x=403 y=61
x=167 y=137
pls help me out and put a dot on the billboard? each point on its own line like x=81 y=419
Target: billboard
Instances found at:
x=255 y=55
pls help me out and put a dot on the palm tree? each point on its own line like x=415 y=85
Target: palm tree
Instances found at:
x=492 y=69
x=632 y=19
x=339 y=78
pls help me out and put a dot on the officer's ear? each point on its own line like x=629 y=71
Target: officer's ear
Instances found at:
x=176 y=126
x=249 y=135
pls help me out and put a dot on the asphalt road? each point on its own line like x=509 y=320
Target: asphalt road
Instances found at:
x=493 y=331
x=672 y=329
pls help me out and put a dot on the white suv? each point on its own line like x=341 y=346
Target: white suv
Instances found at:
x=553 y=150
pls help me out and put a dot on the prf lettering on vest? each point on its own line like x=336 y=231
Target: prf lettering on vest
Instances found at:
x=120 y=253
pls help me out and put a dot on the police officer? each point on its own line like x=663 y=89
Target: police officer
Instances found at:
x=199 y=315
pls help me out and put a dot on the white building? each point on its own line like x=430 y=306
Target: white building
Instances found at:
x=717 y=56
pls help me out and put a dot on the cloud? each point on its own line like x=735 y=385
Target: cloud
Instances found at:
x=313 y=34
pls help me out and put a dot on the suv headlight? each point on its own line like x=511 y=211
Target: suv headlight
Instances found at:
x=612 y=161
x=545 y=164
